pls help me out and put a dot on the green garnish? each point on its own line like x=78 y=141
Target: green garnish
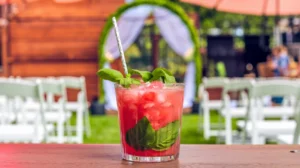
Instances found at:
x=143 y=137
x=110 y=74
x=146 y=75
x=161 y=74
x=126 y=82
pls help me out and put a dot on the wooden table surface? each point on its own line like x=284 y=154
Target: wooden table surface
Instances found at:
x=108 y=156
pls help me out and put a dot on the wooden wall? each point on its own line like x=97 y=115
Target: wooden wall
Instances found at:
x=50 y=39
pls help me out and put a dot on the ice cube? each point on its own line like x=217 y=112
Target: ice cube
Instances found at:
x=148 y=105
x=160 y=98
x=166 y=104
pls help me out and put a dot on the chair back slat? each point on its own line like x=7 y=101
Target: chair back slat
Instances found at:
x=20 y=88
x=275 y=88
x=238 y=85
x=214 y=82
x=73 y=82
x=53 y=86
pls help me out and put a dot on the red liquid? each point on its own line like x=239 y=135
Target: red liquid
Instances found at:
x=160 y=104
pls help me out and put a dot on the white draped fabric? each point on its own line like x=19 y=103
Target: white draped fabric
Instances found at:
x=173 y=31
x=190 y=87
x=171 y=28
x=130 y=25
x=110 y=93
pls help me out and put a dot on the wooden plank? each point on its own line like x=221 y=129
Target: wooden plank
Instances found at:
x=48 y=9
x=43 y=51
x=191 y=156
x=44 y=69
x=92 y=86
x=56 y=31
x=5 y=40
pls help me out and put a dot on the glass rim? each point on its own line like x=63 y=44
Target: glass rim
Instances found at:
x=165 y=84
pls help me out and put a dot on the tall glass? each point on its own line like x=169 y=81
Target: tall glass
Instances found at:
x=150 y=121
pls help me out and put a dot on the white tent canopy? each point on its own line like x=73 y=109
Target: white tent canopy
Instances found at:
x=173 y=30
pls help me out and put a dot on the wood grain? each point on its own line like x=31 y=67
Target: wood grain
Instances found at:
x=61 y=30
x=108 y=156
x=59 y=50
x=54 y=69
x=51 y=39
x=48 y=9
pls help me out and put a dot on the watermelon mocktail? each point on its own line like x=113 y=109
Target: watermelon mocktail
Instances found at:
x=150 y=120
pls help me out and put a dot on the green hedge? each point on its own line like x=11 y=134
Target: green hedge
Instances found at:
x=161 y=3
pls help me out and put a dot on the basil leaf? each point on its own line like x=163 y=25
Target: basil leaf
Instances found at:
x=146 y=76
x=164 y=74
x=169 y=79
x=110 y=74
x=165 y=70
x=166 y=136
x=127 y=82
x=140 y=135
x=135 y=81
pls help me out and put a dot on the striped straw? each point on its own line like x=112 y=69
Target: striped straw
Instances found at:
x=120 y=45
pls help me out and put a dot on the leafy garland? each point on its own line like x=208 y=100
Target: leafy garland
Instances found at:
x=176 y=9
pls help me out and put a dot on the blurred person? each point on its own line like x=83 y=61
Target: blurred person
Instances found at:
x=281 y=67
x=293 y=68
x=273 y=65
x=283 y=61
x=278 y=62
x=272 y=61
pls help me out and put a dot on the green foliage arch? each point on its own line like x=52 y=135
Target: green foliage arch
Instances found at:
x=172 y=7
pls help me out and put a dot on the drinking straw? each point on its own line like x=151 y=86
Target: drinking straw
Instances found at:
x=120 y=45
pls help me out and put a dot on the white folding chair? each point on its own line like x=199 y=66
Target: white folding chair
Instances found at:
x=206 y=104
x=229 y=112
x=259 y=128
x=56 y=87
x=20 y=130
x=55 y=112
x=285 y=111
x=292 y=139
x=80 y=106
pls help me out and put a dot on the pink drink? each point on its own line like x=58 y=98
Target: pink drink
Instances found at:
x=150 y=120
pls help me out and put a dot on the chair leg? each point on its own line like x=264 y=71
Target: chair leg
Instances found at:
x=87 y=124
x=254 y=138
x=69 y=131
x=262 y=140
x=200 y=113
x=60 y=132
x=228 y=129
x=79 y=126
x=219 y=128
x=206 y=123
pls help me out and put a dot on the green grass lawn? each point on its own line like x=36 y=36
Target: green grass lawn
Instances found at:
x=105 y=129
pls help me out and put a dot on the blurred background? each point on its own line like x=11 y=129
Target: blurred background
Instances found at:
x=195 y=39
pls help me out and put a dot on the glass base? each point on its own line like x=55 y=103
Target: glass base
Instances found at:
x=149 y=158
